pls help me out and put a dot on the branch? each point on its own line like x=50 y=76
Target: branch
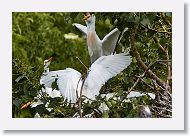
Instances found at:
x=156 y=31
x=147 y=84
x=80 y=98
x=169 y=76
x=167 y=60
x=82 y=63
x=119 y=39
x=135 y=84
x=162 y=109
x=156 y=85
x=159 y=45
x=141 y=63
x=164 y=60
x=165 y=19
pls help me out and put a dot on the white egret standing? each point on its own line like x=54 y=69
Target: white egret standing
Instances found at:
x=46 y=64
x=97 y=47
x=52 y=93
x=69 y=80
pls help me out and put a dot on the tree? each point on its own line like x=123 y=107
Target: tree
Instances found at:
x=37 y=36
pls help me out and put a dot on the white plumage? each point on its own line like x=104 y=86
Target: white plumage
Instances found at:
x=69 y=81
x=97 y=47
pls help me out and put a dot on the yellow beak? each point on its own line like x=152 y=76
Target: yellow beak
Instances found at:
x=50 y=59
x=86 y=17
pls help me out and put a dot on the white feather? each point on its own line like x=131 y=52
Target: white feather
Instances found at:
x=82 y=28
x=97 y=47
x=102 y=70
x=69 y=80
x=109 y=41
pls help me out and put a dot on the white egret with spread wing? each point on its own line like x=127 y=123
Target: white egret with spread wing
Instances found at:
x=70 y=82
x=97 y=47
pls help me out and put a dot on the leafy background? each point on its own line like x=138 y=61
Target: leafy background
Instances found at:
x=38 y=36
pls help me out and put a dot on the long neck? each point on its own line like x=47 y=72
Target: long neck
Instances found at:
x=46 y=68
x=91 y=26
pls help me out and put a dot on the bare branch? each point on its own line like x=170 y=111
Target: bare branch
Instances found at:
x=135 y=84
x=159 y=45
x=119 y=39
x=137 y=81
x=80 y=98
x=141 y=63
x=156 y=31
x=147 y=84
x=162 y=108
x=164 y=60
x=165 y=19
x=82 y=63
x=169 y=76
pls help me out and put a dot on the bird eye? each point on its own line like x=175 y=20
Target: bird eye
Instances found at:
x=88 y=16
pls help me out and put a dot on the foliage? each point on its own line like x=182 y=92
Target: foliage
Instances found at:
x=38 y=36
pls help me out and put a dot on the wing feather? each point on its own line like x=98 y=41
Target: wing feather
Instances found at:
x=67 y=81
x=102 y=70
x=68 y=85
x=82 y=28
x=49 y=77
x=109 y=41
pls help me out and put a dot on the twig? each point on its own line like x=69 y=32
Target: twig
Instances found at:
x=141 y=63
x=80 y=98
x=168 y=63
x=87 y=98
x=157 y=85
x=165 y=19
x=77 y=86
x=164 y=60
x=156 y=31
x=157 y=42
x=75 y=115
x=141 y=76
x=119 y=39
x=167 y=60
x=169 y=67
x=147 y=84
x=137 y=81
x=161 y=108
x=82 y=63
x=164 y=97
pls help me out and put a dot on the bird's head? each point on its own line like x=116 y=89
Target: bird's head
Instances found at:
x=47 y=62
x=89 y=18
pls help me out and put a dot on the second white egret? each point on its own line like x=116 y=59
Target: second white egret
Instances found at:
x=70 y=82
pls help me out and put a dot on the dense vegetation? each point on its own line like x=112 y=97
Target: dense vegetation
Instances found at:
x=38 y=36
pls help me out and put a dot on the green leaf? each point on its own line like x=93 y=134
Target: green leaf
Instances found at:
x=169 y=14
x=105 y=114
x=17 y=102
x=41 y=109
x=145 y=22
x=54 y=85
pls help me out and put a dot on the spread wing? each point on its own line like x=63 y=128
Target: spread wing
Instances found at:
x=49 y=77
x=82 y=28
x=67 y=81
x=109 y=41
x=102 y=70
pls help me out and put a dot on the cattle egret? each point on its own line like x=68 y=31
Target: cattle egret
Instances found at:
x=52 y=93
x=46 y=64
x=97 y=47
x=70 y=82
